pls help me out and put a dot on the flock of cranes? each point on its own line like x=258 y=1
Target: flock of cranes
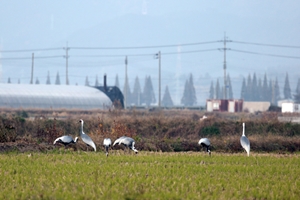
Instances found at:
x=129 y=142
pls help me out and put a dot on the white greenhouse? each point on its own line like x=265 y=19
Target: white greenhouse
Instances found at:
x=53 y=96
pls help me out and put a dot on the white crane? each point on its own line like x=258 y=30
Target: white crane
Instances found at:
x=245 y=142
x=106 y=144
x=65 y=140
x=126 y=141
x=85 y=138
x=204 y=142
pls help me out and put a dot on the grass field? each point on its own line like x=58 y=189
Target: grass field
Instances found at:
x=67 y=174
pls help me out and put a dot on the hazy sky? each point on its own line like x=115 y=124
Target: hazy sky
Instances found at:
x=34 y=26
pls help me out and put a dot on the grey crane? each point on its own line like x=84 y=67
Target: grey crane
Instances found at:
x=204 y=142
x=85 y=138
x=106 y=144
x=126 y=141
x=65 y=140
x=245 y=142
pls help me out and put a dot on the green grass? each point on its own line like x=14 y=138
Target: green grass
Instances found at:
x=148 y=175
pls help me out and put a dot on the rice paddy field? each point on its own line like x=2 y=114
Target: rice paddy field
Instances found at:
x=67 y=174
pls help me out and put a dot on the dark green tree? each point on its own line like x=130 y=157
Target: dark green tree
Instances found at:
x=127 y=92
x=167 y=100
x=137 y=92
x=87 y=83
x=37 y=81
x=244 y=89
x=218 y=90
x=212 y=91
x=96 y=81
x=230 y=93
x=249 y=93
x=117 y=81
x=148 y=93
x=186 y=93
x=48 y=82
x=255 y=92
x=287 y=89
x=259 y=88
x=8 y=81
x=276 y=91
x=265 y=90
x=297 y=94
x=57 y=80
x=189 y=95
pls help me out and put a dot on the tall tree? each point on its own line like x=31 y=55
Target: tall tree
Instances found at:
x=37 y=81
x=212 y=91
x=259 y=88
x=148 y=93
x=189 y=95
x=127 y=92
x=287 y=89
x=96 y=81
x=48 y=82
x=297 y=94
x=117 y=81
x=218 y=90
x=244 y=89
x=249 y=92
x=230 y=93
x=255 y=92
x=265 y=89
x=137 y=92
x=87 y=83
x=8 y=81
x=57 y=80
x=276 y=91
x=167 y=100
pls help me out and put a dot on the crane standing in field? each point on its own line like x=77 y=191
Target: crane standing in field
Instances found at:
x=126 y=141
x=204 y=142
x=245 y=142
x=85 y=138
x=106 y=144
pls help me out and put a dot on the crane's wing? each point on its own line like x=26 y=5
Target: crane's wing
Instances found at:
x=204 y=141
x=117 y=141
x=245 y=144
x=86 y=139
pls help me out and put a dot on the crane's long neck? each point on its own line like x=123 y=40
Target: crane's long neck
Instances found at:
x=243 y=129
x=81 y=128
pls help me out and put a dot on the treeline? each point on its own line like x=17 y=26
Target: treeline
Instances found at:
x=252 y=89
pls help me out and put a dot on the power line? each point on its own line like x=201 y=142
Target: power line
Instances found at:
x=271 y=45
x=26 y=58
x=265 y=54
x=26 y=50
x=146 y=47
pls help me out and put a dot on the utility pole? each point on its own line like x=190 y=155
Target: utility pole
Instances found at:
x=158 y=56
x=67 y=57
x=224 y=64
x=32 y=65
x=125 y=97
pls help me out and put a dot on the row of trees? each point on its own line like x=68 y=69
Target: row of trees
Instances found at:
x=253 y=89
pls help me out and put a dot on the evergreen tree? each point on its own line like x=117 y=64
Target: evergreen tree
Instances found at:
x=287 y=89
x=186 y=94
x=167 y=100
x=117 y=81
x=137 y=92
x=57 y=80
x=8 y=81
x=230 y=93
x=48 y=82
x=96 y=81
x=249 y=92
x=212 y=91
x=255 y=92
x=148 y=94
x=244 y=89
x=19 y=81
x=37 y=81
x=218 y=92
x=277 y=91
x=127 y=92
x=189 y=95
x=265 y=89
x=192 y=97
x=87 y=83
x=297 y=94
x=259 y=88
